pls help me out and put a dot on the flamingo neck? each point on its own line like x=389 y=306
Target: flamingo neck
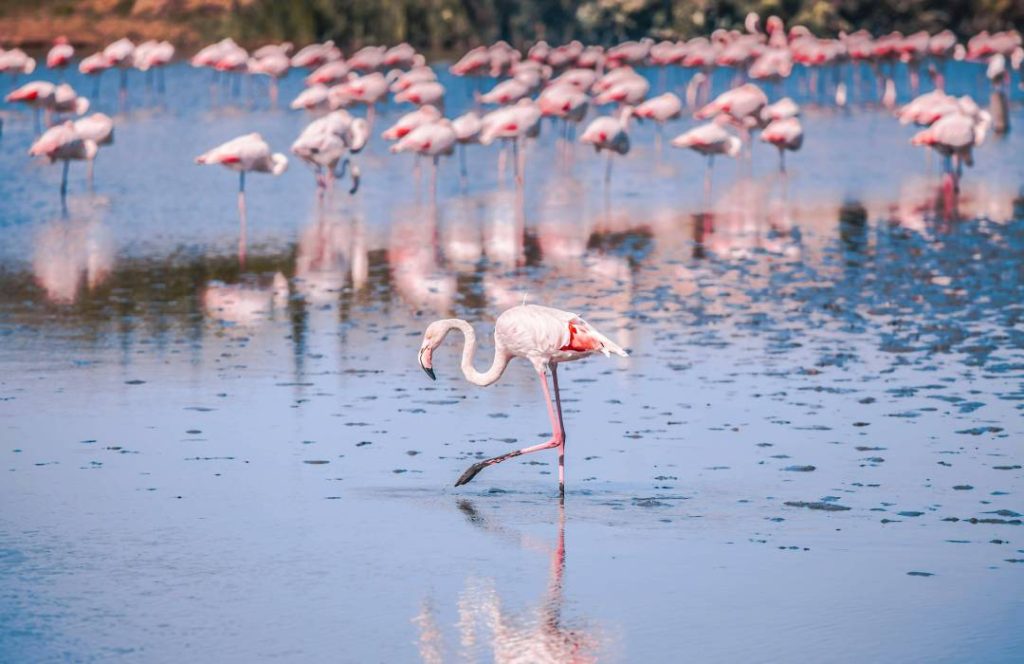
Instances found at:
x=501 y=358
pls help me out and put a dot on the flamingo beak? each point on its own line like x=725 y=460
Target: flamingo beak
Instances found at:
x=428 y=370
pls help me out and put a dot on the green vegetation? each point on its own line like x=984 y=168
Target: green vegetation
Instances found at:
x=452 y=26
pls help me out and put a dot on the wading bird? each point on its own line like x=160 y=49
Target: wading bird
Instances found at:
x=243 y=154
x=542 y=335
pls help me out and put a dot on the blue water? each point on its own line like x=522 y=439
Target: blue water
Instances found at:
x=212 y=462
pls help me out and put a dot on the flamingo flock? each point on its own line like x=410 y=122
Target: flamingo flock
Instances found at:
x=606 y=90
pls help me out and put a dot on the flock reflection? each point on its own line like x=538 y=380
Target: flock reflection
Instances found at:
x=478 y=253
x=488 y=627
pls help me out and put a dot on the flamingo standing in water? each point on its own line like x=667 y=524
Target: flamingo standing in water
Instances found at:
x=785 y=134
x=433 y=140
x=63 y=143
x=610 y=134
x=59 y=57
x=243 y=154
x=542 y=335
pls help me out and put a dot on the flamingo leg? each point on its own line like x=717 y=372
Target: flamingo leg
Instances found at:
x=561 y=428
x=557 y=440
x=64 y=184
x=242 y=220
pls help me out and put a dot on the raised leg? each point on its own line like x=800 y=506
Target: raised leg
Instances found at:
x=557 y=439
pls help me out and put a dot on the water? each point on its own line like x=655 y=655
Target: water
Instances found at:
x=812 y=453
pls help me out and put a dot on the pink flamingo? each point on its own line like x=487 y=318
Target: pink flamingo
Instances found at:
x=610 y=134
x=512 y=123
x=59 y=56
x=244 y=154
x=467 y=129
x=405 y=124
x=63 y=143
x=314 y=55
x=153 y=55
x=326 y=141
x=422 y=93
x=15 y=61
x=660 y=109
x=431 y=140
x=955 y=136
x=369 y=90
x=542 y=335
x=784 y=134
x=709 y=139
x=98 y=128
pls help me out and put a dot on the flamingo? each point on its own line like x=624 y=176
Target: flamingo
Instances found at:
x=412 y=120
x=660 y=109
x=16 y=61
x=326 y=141
x=467 y=129
x=432 y=140
x=273 y=63
x=512 y=123
x=63 y=143
x=119 y=54
x=150 y=55
x=98 y=128
x=785 y=134
x=369 y=90
x=244 y=154
x=566 y=101
x=59 y=56
x=954 y=136
x=314 y=55
x=422 y=93
x=709 y=139
x=610 y=134
x=543 y=335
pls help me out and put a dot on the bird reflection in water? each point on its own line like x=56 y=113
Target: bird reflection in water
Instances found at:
x=71 y=254
x=488 y=627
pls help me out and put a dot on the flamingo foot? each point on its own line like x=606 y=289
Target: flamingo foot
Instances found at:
x=470 y=473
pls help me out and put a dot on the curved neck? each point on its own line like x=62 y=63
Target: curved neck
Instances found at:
x=501 y=358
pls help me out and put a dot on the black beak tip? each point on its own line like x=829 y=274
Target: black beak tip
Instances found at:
x=430 y=372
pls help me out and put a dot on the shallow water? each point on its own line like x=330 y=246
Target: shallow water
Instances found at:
x=812 y=453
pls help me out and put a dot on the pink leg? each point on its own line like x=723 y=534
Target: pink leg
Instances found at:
x=557 y=440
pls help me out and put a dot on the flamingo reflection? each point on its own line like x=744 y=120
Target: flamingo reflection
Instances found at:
x=70 y=254
x=539 y=635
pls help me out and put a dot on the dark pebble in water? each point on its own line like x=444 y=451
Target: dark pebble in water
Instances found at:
x=193 y=431
x=413 y=452
x=875 y=460
x=910 y=513
x=799 y=469
x=1007 y=513
x=977 y=431
x=1005 y=467
x=399 y=471
x=332 y=497
x=1015 y=560
x=316 y=462
x=962 y=487
x=1004 y=522
x=866 y=400
x=865 y=448
x=365 y=442
x=920 y=574
x=861 y=424
x=648 y=502
x=663 y=478
x=828 y=507
x=134 y=382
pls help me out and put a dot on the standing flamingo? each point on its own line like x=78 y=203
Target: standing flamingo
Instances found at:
x=63 y=142
x=785 y=134
x=243 y=154
x=59 y=56
x=432 y=140
x=325 y=142
x=709 y=139
x=610 y=134
x=660 y=109
x=542 y=335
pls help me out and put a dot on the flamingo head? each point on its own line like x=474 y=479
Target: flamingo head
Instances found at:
x=432 y=338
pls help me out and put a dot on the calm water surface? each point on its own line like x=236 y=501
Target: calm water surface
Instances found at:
x=813 y=452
